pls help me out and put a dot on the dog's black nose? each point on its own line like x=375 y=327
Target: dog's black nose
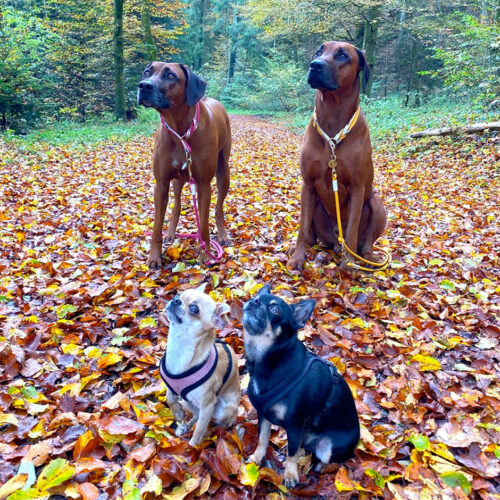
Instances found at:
x=317 y=64
x=146 y=86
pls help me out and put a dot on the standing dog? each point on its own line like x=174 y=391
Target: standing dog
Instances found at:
x=173 y=90
x=201 y=373
x=292 y=387
x=335 y=74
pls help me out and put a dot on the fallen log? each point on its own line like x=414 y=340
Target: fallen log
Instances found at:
x=466 y=129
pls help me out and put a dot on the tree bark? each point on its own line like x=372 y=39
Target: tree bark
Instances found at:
x=149 y=44
x=232 y=49
x=118 y=60
x=467 y=129
x=370 y=42
x=201 y=36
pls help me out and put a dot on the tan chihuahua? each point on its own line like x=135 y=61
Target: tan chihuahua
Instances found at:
x=201 y=373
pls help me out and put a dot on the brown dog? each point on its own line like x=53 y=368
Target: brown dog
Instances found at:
x=335 y=74
x=173 y=90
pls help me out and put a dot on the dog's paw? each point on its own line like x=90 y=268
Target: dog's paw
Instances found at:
x=183 y=429
x=296 y=263
x=290 y=480
x=194 y=441
x=224 y=240
x=170 y=237
x=254 y=459
x=154 y=262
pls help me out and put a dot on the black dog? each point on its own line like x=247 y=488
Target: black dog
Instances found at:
x=292 y=387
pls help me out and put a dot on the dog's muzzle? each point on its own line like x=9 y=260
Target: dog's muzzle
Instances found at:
x=175 y=310
x=254 y=318
x=150 y=96
x=319 y=76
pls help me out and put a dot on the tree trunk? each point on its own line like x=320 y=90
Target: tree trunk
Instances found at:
x=201 y=36
x=149 y=44
x=118 y=60
x=233 y=49
x=467 y=129
x=370 y=42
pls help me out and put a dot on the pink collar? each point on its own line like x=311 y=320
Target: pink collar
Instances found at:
x=189 y=132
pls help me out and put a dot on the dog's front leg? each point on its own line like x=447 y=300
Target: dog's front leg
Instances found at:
x=161 y=202
x=355 y=208
x=294 y=437
x=307 y=202
x=203 y=207
x=177 y=185
x=204 y=416
x=175 y=406
x=260 y=452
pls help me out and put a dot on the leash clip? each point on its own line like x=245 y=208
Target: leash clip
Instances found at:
x=333 y=163
x=187 y=164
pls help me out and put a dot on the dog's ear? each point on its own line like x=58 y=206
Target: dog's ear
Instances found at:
x=195 y=86
x=201 y=288
x=265 y=290
x=363 y=66
x=302 y=312
x=219 y=316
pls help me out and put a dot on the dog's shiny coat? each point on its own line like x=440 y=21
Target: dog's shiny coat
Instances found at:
x=193 y=317
x=173 y=90
x=334 y=72
x=318 y=413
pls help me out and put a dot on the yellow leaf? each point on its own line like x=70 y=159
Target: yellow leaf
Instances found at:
x=427 y=363
x=13 y=484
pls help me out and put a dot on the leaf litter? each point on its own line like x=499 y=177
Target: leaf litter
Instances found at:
x=82 y=408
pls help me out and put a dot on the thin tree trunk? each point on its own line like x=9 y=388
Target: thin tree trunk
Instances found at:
x=468 y=129
x=118 y=60
x=149 y=43
x=201 y=36
x=370 y=42
x=233 y=49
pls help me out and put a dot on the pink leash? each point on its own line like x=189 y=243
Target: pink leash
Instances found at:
x=216 y=256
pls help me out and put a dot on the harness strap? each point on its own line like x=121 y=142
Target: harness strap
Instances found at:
x=229 y=364
x=263 y=402
x=181 y=385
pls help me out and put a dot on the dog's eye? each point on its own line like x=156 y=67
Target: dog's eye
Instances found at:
x=171 y=76
x=147 y=73
x=341 y=55
x=317 y=53
x=194 y=309
x=274 y=310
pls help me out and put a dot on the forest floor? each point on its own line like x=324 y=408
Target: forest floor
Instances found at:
x=81 y=402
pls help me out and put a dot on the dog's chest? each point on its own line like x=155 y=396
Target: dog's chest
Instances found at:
x=256 y=346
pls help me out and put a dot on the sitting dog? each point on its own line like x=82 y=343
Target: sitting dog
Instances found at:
x=334 y=73
x=201 y=373
x=194 y=129
x=293 y=388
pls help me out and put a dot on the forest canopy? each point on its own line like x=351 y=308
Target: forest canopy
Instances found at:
x=59 y=59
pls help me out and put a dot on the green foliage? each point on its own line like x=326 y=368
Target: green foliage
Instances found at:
x=471 y=60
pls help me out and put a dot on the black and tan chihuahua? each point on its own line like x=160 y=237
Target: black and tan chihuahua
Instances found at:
x=293 y=388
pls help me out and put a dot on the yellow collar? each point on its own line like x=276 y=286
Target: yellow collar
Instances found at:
x=334 y=141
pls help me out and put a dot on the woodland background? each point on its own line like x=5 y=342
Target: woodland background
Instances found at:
x=78 y=60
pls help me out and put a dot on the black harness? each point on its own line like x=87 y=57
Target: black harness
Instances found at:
x=262 y=402
x=194 y=369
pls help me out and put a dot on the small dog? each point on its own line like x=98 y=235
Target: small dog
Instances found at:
x=293 y=388
x=201 y=373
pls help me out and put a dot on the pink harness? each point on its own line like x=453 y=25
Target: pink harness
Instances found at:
x=215 y=257
x=183 y=383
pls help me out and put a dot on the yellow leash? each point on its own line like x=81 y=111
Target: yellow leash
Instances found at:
x=333 y=142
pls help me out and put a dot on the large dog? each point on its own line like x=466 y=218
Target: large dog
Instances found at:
x=335 y=74
x=174 y=91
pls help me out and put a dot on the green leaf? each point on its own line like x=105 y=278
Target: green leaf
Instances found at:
x=454 y=479
x=436 y=262
x=379 y=480
x=29 y=392
x=249 y=474
x=130 y=490
x=420 y=441
x=447 y=285
x=179 y=267
x=54 y=474
x=147 y=322
x=62 y=311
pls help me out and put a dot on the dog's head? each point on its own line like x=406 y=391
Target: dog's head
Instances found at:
x=196 y=313
x=337 y=65
x=269 y=321
x=168 y=85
